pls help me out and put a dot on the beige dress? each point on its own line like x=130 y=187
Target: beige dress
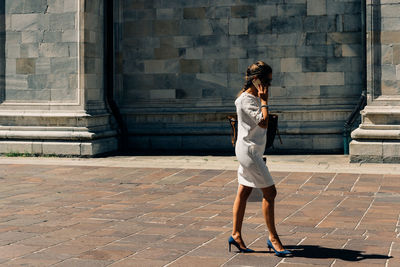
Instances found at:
x=250 y=145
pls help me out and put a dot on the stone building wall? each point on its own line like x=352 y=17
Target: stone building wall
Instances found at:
x=52 y=78
x=378 y=137
x=390 y=49
x=41 y=51
x=180 y=63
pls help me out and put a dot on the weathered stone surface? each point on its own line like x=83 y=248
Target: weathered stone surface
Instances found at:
x=314 y=64
x=351 y=23
x=165 y=27
x=312 y=78
x=166 y=53
x=62 y=21
x=29 y=50
x=64 y=65
x=238 y=26
x=25 y=66
x=316 y=38
x=194 y=13
x=52 y=50
x=333 y=7
x=290 y=9
x=286 y=24
x=168 y=13
x=198 y=26
x=320 y=24
x=25 y=22
x=244 y=11
x=161 y=66
x=291 y=65
x=316 y=7
x=163 y=94
x=29 y=36
x=216 y=12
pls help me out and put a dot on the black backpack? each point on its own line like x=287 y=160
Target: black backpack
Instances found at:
x=272 y=129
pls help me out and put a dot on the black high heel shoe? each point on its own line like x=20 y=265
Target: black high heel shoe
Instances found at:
x=232 y=241
x=283 y=253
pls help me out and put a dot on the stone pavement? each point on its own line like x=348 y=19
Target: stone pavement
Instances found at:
x=166 y=212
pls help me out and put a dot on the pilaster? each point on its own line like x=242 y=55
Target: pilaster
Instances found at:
x=53 y=94
x=378 y=137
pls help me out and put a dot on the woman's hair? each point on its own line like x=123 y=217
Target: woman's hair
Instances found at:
x=260 y=69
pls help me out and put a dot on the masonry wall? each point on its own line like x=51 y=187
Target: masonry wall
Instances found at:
x=180 y=64
x=390 y=49
x=51 y=78
x=41 y=51
x=377 y=139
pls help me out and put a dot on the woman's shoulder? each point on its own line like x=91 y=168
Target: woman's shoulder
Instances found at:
x=239 y=99
x=247 y=99
x=246 y=96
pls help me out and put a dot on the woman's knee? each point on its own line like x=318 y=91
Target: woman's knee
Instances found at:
x=244 y=191
x=269 y=193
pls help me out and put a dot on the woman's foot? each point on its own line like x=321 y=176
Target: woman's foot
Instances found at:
x=276 y=242
x=239 y=240
x=240 y=246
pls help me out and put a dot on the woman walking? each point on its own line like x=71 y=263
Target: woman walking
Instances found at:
x=252 y=111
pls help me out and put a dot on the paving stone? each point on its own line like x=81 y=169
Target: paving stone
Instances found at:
x=31 y=262
x=137 y=262
x=197 y=261
x=12 y=251
x=128 y=216
x=83 y=263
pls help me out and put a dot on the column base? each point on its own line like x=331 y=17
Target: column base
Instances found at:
x=60 y=148
x=57 y=133
x=370 y=151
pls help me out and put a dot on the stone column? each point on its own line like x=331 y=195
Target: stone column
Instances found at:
x=53 y=94
x=378 y=137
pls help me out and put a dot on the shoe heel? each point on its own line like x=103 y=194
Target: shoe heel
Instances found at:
x=230 y=247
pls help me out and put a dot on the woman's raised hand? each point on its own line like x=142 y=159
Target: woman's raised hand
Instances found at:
x=263 y=92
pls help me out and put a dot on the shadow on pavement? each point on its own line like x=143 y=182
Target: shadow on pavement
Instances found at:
x=317 y=252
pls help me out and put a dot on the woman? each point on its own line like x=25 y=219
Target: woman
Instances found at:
x=252 y=111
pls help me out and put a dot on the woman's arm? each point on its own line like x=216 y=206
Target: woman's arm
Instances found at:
x=263 y=95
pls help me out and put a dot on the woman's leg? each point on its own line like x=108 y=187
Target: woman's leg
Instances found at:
x=268 y=203
x=239 y=208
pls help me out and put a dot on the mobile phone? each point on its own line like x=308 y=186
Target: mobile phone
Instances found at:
x=256 y=83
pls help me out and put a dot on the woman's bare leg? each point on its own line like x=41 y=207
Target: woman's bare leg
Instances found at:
x=239 y=208
x=268 y=203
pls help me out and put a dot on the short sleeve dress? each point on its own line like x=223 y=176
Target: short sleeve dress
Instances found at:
x=250 y=145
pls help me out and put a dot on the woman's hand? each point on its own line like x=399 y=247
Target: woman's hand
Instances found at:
x=263 y=92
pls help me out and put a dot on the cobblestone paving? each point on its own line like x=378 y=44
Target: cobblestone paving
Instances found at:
x=107 y=216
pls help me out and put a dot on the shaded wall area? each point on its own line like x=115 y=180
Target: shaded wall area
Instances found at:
x=179 y=65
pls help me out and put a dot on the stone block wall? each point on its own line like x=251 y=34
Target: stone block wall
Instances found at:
x=41 y=51
x=51 y=77
x=390 y=48
x=179 y=61
x=377 y=139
